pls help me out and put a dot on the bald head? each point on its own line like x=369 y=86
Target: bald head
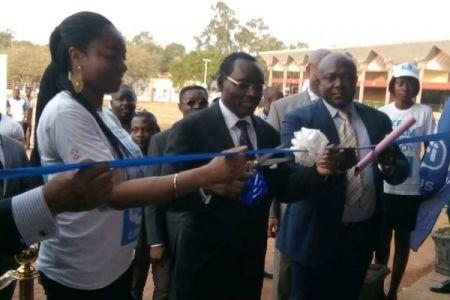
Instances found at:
x=271 y=94
x=313 y=62
x=334 y=58
x=337 y=79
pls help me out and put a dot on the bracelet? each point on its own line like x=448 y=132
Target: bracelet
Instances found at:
x=175 y=190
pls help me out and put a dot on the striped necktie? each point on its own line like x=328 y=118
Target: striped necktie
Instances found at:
x=355 y=185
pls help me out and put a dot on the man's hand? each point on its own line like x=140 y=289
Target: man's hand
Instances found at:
x=328 y=163
x=272 y=229
x=156 y=255
x=82 y=190
x=386 y=160
x=348 y=159
x=230 y=190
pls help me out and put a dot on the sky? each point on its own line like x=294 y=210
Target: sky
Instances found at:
x=320 y=23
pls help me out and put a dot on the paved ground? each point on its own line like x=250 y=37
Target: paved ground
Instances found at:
x=416 y=282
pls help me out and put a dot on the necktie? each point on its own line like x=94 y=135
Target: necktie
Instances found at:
x=244 y=139
x=355 y=184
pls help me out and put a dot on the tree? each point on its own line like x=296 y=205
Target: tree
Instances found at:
x=171 y=52
x=6 y=38
x=299 y=45
x=225 y=33
x=27 y=61
x=145 y=40
x=191 y=67
x=220 y=31
x=141 y=63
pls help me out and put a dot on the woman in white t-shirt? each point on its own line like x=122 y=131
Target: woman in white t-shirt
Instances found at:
x=401 y=202
x=91 y=257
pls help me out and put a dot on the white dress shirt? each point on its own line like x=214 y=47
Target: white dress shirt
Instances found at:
x=355 y=213
x=312 y=95
x=231 y=119
x=33 y=219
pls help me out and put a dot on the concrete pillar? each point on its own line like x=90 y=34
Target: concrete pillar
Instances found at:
x=3 y=82
x=285 y=78
x=421 y=76
x=300 y=79
x=270 y=76
x=388 y=94
x=362 y=80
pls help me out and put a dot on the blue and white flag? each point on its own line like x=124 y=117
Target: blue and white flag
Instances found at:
x=434 y=175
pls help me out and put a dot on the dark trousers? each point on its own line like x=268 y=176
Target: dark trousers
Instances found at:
x=342 y=275
x=141 y=265
x=119 y=289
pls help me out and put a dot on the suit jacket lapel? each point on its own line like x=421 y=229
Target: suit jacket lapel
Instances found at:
x=368 y=122
x=218 y=130
x=325 y=123
x=261 y=138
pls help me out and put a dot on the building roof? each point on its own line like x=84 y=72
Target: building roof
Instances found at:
x=432 y=55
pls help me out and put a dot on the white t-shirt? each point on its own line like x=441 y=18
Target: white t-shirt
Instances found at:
x=95 y=247
x=424 y=125
x=10 y=128
x=17 y=109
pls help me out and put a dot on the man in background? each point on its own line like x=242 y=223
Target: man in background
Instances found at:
x=270 y=95
x=123 y=105
x=162 y=225
x=143 y=126
x=16 y=107
x=281 y=264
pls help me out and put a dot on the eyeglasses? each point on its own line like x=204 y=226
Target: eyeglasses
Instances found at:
x=193 y=103
x=244 y=85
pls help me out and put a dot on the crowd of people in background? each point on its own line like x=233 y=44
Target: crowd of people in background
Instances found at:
x=187 y=221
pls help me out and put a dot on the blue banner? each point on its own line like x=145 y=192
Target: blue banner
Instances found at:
x=434 y=175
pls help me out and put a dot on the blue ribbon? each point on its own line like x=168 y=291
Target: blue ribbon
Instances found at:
x=127 y=163
x=136 y=162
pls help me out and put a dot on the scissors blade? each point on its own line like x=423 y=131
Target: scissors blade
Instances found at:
x=273 y=161
x=261 y=159
x=357 y=148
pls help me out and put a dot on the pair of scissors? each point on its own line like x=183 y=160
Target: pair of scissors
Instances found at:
x=267 y=160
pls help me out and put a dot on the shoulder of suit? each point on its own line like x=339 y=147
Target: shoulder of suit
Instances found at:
x=10 y=142
x=368 y=109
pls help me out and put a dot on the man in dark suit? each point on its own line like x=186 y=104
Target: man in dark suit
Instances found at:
x=330 y=233
x=12 y=155
x=162 y=225
x=281 y=265
x=222 y=243
x=28 y=218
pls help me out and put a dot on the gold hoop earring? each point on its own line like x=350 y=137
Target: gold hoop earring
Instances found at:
x=77 y=81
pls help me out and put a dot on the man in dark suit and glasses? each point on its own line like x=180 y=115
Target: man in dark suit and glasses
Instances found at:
x=223 y=243
x=331 y=231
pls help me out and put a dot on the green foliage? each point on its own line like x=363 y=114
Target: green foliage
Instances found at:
x=171 y=52
x=144 y=57
x=191 y=67
x=6 y=38
x=27 y=61
x=225 y=33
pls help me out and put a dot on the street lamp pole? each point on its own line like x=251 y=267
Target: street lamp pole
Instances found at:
x=206 y=61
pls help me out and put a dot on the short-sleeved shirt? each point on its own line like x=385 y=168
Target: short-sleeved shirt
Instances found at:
x=424 y=125
x=17 y=109
x=10 y=128
x=95 y=247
